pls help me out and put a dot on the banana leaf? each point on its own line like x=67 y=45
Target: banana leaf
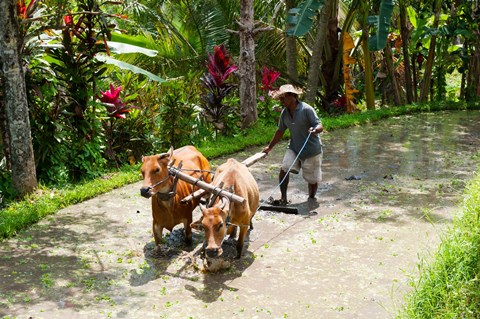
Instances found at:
x=120 y=47
x=127 y=66
x=300 y=19
x=382 y=22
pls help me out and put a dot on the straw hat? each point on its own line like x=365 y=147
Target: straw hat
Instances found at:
x=286 y=88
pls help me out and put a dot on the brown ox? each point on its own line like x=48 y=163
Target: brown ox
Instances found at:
x=223 y=217
x=167 y=211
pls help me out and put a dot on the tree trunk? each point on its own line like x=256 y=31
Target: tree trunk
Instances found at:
x=316 y=59
x=427 y=76
x=391 y=72
x=415 y=77
x=472 y=90
x=291 y=50
x=369 y=86
x=15 y=97
x=248 y=101
x=473 y=77
x=406 y=56
x=4 y=131
x=332 y=78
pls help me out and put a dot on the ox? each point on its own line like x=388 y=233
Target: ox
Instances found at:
x=166 y=192
x=224 y=216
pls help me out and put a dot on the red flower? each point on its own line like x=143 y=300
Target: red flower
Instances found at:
x=340 y=102
x=269 y=76
x=115 y=106
x=25 y=11
x=219 y=66
x=68 y=20
x=21 y=9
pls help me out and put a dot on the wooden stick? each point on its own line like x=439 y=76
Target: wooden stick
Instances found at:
x=198 y=193
x=248 y=162
x=253 y=159
x=203 y=185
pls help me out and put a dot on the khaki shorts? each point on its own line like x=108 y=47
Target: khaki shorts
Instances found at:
x=311 y=167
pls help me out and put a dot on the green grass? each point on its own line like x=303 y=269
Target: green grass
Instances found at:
x=19 y=215
x=449 y=286
x=44 y=202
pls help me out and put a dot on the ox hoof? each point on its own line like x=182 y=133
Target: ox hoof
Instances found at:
x=160 y=252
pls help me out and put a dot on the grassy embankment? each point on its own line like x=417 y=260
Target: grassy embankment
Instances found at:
x=19 y=215
x=449 y=286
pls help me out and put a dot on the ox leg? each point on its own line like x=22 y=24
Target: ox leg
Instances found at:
x=157 y=233
x=233 y=232
x=188 y=232
x=241 y=239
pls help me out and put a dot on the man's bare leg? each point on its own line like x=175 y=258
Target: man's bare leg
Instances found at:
x=312 y=190
x=284 y=185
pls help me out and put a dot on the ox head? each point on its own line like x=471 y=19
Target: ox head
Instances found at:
x=214 y=223
x=155 y=174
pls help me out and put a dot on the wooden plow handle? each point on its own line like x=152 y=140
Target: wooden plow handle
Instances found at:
x=248 y=162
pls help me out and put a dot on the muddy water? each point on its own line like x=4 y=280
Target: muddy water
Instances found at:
x=390 y=190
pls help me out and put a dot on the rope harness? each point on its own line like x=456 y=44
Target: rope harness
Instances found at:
x=173 y=172
x=227 y=221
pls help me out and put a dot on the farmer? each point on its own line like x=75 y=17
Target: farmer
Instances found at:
x=303 y=122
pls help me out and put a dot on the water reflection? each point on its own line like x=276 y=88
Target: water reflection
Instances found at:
x=423 y=144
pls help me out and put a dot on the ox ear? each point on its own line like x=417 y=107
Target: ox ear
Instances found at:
x=197 y=224
x=143 y=159
x=202 y=207
x=170 y=151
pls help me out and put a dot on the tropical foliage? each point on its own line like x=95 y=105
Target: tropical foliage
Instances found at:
x=156 y=52
x=217 y=89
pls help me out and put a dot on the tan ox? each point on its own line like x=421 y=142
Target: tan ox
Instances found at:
x=224 y=217
x=167 y=211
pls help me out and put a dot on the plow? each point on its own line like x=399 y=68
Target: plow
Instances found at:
x=208 y=188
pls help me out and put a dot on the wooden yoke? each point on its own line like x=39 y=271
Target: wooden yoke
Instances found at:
x=204 y=186
x=199 y=193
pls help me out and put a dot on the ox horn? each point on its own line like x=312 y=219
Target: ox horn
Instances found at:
x=225 y=203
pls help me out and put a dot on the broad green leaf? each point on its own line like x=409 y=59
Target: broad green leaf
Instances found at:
x=412 y=15
x=454 y=48
x=301 y=18
x=466 y=33
x=137 y=40
x=119 y=48
x=126 y=66
x=382 y=22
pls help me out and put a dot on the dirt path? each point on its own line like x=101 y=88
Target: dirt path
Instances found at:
x=349 y=255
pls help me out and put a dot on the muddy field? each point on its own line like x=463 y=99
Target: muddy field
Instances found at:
x=389 y=192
